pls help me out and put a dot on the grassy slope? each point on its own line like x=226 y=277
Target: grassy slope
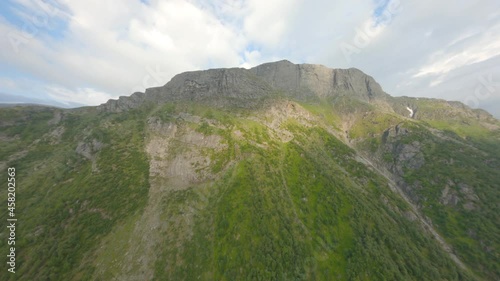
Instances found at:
x=468 y=154
x=63 y=207
x=473 y=233
x=302 y=210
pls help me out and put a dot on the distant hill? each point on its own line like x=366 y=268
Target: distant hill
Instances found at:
x=9 y=100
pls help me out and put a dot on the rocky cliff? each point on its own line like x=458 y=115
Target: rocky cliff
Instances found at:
x=282 y=78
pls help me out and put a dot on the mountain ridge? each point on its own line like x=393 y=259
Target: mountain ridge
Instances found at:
x=281 y=76
x=298 y=81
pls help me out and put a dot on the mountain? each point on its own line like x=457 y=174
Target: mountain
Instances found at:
x=279 y=172
x=17 y=100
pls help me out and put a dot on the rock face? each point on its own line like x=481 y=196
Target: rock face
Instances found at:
x=123 y=103
x=89 y=149
x=231 y=86
x=180 y=169
x=449 y=196
x=309 y=80
x=406 y=155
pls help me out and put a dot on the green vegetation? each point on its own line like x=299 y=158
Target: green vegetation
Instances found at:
x=470 y=225
x=301 y=211
x=63 y=205
x=461 y=158
x=306 y=207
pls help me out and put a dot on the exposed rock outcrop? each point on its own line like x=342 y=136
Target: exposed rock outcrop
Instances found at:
x=231 y=86
x=89 y=149
x=449 y=196
x=453 y=194
x=404 y=155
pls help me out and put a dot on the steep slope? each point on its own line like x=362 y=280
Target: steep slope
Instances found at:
x=444 y=159
x=450 y=174
x=280 y=172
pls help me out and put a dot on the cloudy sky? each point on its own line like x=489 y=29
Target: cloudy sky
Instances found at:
x=71 y=52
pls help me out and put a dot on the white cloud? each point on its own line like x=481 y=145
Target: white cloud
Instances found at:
x=111 y=48
x=448 y=43
x=109 y=45
x=8 y=85
x=445 y=61
x=268 y=21
x=80 y=95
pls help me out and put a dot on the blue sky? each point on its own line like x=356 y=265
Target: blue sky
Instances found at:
x=20 y=15
x=71 y=52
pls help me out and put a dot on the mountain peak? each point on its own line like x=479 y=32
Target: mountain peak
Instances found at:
x=295 y=81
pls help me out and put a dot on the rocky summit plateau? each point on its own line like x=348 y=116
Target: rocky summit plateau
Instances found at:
x=279 y=172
